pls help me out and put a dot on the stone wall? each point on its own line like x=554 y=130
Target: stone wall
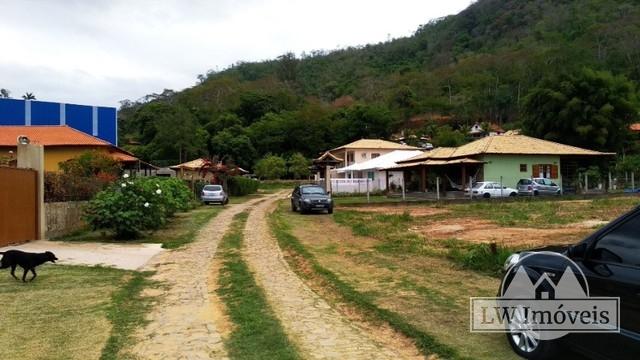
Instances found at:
x=64 y=218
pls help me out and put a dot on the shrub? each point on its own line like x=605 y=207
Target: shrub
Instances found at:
x=68 y=187
x=271 y=167
x=91 y=163
x=239 y=186
x=130 y=207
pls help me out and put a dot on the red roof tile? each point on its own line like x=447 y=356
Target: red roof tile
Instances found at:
x=48 y=136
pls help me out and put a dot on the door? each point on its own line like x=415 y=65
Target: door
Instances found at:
x=612 y=268
x=18 y=205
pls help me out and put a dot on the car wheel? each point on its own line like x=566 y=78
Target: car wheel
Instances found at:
x=330 y=211
x=558 y=192
x=486 y=195
x=513 y=194
x=293 y=207
x=226 y=201
x=525 y=344
x=536 y=193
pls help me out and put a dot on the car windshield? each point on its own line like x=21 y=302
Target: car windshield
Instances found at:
x=312 y=190
x=478 y=185
x=212 y=187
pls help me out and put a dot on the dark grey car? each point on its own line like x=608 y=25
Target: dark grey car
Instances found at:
x=307 y=198
x=538 y=186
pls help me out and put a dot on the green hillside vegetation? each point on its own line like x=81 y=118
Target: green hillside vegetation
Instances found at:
x=494 y=62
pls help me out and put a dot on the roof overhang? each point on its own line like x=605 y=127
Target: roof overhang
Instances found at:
x=435 y=162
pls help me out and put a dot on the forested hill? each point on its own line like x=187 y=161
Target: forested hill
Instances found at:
x=479 y=65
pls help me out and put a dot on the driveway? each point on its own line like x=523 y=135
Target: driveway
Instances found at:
x=121 y=256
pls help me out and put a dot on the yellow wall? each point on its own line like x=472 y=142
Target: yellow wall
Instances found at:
x=56 y=154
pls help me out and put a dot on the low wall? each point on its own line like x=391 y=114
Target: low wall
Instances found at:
x=64 y=218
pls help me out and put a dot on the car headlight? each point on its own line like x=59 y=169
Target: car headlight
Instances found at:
x=306 y=200
x=511 y=260
x=329 y=200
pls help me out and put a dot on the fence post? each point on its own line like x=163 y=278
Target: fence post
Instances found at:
x=501 y=194
x=438 y=188
x=403 y=189
x=633 y=181
x=586 y=183
x=368 y=191
x=610 y=182
x=471 y=187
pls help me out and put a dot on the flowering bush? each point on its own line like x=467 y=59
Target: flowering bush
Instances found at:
x=129 y=207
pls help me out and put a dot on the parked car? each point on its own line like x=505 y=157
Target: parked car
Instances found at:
x=307 y=198
x=610 y=261
x=538 y=186
x=489 y=189
x=214 y=194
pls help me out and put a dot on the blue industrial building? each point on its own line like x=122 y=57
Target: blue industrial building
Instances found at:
x=99 y=121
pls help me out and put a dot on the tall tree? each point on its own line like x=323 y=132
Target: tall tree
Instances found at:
x=4 y=93
x=28 y=96
x=592 y=109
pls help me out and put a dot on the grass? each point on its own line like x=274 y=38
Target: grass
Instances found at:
x=545 y=212
x=257 y=333
x=180 y=230
x=485 y=258
x=126 y=313
x=364 y=302
x=70 y=312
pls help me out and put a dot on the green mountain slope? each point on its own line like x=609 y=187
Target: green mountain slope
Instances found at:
x=477 y=65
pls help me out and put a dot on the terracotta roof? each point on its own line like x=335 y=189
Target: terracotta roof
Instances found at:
x=508 y=144
x=635 y=127
x=48 y=136
x=375 y=144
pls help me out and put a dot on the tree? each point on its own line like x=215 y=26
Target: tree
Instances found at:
x=271 y=167
x=178 y=135
x=446 y=136
x=299 y=166
x=5 y=94
x=28 y=96
x=233 y=147
x=90 y=164
x=591 y=109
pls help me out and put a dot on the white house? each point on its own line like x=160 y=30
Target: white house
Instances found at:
x=373 y=169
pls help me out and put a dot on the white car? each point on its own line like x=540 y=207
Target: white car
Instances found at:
x=489 y=189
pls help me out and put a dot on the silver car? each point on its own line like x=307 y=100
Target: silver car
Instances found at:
x=214 y=194
x=538 y=186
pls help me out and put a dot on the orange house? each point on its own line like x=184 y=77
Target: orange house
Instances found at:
x=62 y=143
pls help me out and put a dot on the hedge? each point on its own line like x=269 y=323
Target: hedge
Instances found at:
x=239 y=186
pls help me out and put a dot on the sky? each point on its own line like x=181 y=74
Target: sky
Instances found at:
x=99 y=52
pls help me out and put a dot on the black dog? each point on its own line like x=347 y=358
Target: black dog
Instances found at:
x=27 y=261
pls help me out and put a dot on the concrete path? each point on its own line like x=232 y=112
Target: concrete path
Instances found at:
x=318 y=330
x=181 y=323
x=121 y=256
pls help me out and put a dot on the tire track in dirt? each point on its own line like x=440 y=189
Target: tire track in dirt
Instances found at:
x=316 y=328
x=182 y=323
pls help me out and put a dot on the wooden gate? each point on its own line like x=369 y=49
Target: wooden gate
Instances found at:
x=18 y=205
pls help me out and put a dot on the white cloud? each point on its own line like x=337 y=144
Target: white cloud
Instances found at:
x=103 y=51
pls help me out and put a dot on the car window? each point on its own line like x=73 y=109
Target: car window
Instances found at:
x=313 y=190
x=489 y=186
x=621 y=245
x=524 y=182
x=212 y=187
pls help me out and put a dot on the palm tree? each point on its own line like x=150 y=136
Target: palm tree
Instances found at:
x=29 y=96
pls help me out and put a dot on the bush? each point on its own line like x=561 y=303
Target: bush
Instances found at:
x=69 y=187
x=239 y=186
x=130 y=207
x=271 y=167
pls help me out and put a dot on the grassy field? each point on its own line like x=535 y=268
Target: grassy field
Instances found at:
x=256 y=332
x=383 y=261
x=70 y=312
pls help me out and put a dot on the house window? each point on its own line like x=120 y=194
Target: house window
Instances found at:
x=350 y=158
x=523 y=167
x=364 y=155
x=374 y=155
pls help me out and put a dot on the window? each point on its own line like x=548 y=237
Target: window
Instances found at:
x=621 y=245
x=523 y=167
x=364 y=155
x=374 y=155
x=350 y=157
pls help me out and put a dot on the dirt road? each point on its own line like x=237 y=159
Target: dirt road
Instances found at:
x=181 y=324
x=316 y=328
